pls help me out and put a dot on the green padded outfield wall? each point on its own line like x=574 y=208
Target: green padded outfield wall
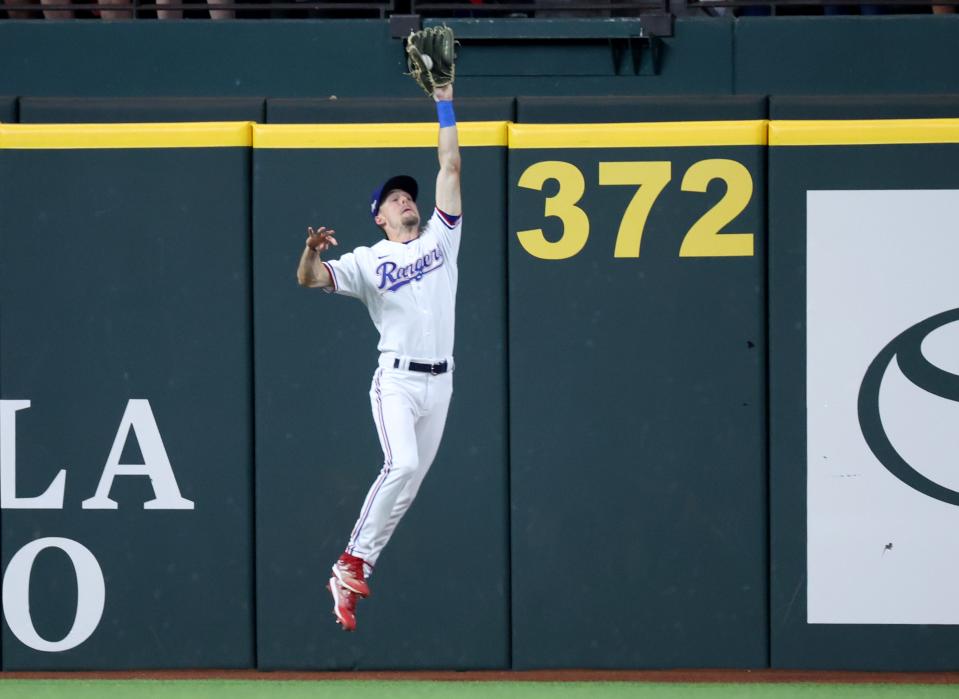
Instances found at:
x=367 y=110
x=837 y=462
x=125 y=350
x=8 y=109
x=441 y=588
x=79 y=110
x=863 y=308
x=637 y=397
x=632 y=109
x=846 y=107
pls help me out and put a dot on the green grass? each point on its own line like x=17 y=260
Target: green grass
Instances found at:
x=347 y=689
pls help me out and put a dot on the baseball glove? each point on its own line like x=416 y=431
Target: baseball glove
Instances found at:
x=430 y=57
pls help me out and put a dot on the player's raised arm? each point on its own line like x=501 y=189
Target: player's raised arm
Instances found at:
x=430 y=58
x=448 y=179
x=312 y=273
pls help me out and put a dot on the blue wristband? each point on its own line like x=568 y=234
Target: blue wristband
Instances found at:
x=444 y=110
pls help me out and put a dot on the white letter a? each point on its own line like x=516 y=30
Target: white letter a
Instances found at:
x=139 y=416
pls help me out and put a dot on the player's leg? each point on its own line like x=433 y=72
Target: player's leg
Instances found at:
x=429 y=433
x=394 y=413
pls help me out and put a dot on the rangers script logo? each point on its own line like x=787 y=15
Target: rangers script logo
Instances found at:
x=907 y=350
x=393 y=277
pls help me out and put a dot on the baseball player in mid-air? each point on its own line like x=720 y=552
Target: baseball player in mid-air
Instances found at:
x=408 y=283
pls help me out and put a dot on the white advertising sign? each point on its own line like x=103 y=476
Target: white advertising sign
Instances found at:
x=882 y=406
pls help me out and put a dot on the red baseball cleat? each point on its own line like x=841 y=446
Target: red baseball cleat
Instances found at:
x=344 y=605
x=349 y=571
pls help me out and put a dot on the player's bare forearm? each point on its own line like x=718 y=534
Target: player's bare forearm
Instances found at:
x=311 y=272
x=448 y=180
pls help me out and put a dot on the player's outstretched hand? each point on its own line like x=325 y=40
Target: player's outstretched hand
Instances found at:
x=321 y=239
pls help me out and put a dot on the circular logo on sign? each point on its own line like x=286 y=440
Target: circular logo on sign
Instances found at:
x=906 y=349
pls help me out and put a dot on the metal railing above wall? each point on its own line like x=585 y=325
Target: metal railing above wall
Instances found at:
x=198 y=9
x=774 y=7
x=416 y=10
x=535 y=8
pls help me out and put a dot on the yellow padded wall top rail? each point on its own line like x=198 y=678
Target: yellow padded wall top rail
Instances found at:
x=211 y=134
x=410 y=135
x=864 y=132
x=639 y=135
x=226 y=134
x=481 y=133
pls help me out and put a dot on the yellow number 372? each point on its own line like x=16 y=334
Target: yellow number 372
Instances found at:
x=704 y=239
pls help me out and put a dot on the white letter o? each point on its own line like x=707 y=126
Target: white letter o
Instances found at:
x=91 y=594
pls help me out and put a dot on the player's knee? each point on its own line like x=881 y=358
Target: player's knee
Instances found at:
x=405 y=467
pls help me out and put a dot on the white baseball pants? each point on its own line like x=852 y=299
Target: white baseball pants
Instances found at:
x=409 y=409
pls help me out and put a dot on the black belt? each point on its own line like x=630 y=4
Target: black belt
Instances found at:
x=433 y=369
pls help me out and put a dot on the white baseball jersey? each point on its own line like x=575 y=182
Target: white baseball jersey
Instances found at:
x=410 y=292
x=408 y=288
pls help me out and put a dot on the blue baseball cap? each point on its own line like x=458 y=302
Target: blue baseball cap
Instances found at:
x=404 y=182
